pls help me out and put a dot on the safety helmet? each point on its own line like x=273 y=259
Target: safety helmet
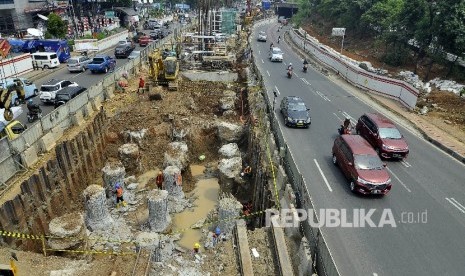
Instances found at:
x=196 y=245
x=159 y=173
x=30 y=101
x=117 y=186
x=290 y=63
x=217 y=230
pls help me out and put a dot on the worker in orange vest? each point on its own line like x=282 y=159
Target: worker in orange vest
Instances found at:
x=159 y=180
x=119 y=195
x=141 y=85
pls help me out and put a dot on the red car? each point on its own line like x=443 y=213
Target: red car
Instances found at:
x=383 y=135
x=144 y=40
x=360 y=163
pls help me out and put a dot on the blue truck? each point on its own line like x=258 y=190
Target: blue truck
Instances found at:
x=58 y=46
x=102 y=64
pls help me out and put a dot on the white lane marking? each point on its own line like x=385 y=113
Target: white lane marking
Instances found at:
x=323 y=96
x=296 y=75
x=323 y=175
x=375 y=274
x=277 y=90
x=259 y=51
x=305 y=81
x=405 y=163
x=337 y=117
x=398 y=179
x=268 y=73
x=263 y=61
x=457 y=205
x=284 y=63
x=78 y=74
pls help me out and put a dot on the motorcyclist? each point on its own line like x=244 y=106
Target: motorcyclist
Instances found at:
x=279 y=39
x=289 y=67
x=33 y=108
x=346 y=127
x=271 y=46
x=305 y=65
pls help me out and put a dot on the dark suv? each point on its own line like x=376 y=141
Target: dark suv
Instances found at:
x=361 y=165
x=295 y=112
x=383 y=135
x=67 y=94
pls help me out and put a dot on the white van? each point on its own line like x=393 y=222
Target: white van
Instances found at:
x=45 y=60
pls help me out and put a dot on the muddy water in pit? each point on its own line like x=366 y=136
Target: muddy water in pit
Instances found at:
x=144 y=178
x=206 y=192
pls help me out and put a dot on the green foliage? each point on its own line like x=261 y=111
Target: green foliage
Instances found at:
x=56 y=27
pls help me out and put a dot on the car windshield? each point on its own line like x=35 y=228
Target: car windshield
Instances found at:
x=99 y=60
x=277 y=52
x=49 y=88
x=170 y=67
x=389 y=133
x=368 y=162
x=297 y=106
x=62 y=97
x=72 y=61
x=262 y=33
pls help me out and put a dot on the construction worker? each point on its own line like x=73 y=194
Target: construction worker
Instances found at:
x=216 y=235
x=141 y=85
x=119 y=195
x=159 y=180
x=247 y=171
x=196 y=247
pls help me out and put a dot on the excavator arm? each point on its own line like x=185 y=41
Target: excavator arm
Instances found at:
x=5 y=102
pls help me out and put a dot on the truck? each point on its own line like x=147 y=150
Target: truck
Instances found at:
x=101 y=63
x=58 y=46
x=11 y=129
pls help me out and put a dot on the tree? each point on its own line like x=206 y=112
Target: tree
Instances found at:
x=56 y=27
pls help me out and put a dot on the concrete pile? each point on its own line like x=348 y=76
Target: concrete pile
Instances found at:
x=159 y=218
x=134 y=136
x=129 y=155
x=177 y=155
x=113 y=173
x=162 y=246
x=230 y=133
x=97 y=215
x=228 y=172
x=229 y=210
x=227 y=103
x=69 y=231
x=229 y=150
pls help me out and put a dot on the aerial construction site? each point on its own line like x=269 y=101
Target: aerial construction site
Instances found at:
x=170 y=174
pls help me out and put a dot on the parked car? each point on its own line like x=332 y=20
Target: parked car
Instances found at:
x=144 y=40
x=123 y=51
x=383 y=135
x=134 y=54
x=360 y=163
x=68 y=93
x=261 y=36
x=276 y=54
x=30 y=89
x=49 y=89
x=295 y=112
x=78 y=64
x=101 y=63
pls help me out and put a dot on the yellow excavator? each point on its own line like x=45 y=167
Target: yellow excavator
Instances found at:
x=164 y=71
x=6 y=94
x=10 y=270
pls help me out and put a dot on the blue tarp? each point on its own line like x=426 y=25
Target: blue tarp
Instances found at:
x=16 y=45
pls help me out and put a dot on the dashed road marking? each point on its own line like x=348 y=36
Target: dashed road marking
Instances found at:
x=305 y=81
x=398 y=179
x=277 y=90
x=296 y=75
x=268 y=73
x=456 y=204
x=323 y=96
x=352 y=120
x=405 y=163
x=322 y=175
x=263 y=61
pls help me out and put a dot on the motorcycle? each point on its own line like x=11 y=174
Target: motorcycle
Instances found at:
x=344 y=130
x=305 y=68
x=289 y=73
x=32 y=116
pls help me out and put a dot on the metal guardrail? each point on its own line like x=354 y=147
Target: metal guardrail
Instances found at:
x=323 y=261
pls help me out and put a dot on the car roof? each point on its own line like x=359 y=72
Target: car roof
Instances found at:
x=380 y=120
x=358 y=145
x=294 y=99
x=53 y=82
x=277 y=49
x=70 y=89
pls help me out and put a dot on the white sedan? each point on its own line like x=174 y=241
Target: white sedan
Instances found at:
x=261 y=36
x=134 y=54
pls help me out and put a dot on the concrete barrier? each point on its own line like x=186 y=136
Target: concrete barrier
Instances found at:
x=284 y=261
x=243 y=250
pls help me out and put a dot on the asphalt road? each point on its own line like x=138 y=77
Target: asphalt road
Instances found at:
x=428 y=181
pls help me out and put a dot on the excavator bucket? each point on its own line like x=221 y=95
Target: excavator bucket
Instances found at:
x=5 y=102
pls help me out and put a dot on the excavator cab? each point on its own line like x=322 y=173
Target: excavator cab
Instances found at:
x=6 y=95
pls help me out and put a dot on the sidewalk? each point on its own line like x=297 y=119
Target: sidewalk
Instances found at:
x=432 y=133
